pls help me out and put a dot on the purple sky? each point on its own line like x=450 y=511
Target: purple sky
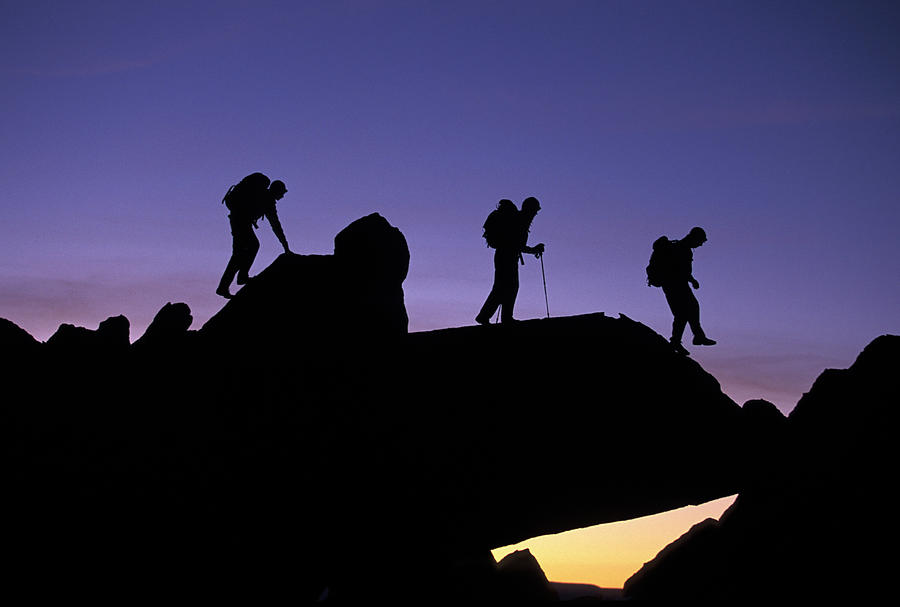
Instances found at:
x=774 y=125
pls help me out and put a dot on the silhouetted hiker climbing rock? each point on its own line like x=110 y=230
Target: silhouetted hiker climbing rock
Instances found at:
x=248 y=201
x=506 y=231
x=316 y=299
x=670 y=268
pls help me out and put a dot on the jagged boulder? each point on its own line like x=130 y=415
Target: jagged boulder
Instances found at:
x=110 y=338
x=169 y=327
x=522 y=579
x=374 y=257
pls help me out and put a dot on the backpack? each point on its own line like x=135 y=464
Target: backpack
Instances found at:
x=499 y=225
x=659 y=270
x=240 y=196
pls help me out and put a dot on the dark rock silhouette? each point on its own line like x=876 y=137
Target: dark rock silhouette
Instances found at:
x=169 y=327
x=16 y=340
x=522 y=579
x=111 y=337
x=815 y=525
x=290 y=445
x=374 y=259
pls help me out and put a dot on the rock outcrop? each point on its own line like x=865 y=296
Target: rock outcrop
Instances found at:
x=302 y=440
x=14 y=339
x=819 y=523
x=169 y=328
x=321 y=301
x=110 y=338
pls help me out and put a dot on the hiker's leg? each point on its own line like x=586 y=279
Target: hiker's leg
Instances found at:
x=235 y=261
x=510 y=287
x=675 y=298
x=678 y=324
x=692 y=315
x=249 y=248
x=230 y=270
x=495 y=297
x=490 y=306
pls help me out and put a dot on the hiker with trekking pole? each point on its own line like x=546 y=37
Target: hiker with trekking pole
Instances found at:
x=506 y=231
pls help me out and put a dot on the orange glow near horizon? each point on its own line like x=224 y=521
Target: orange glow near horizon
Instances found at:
x=607 y=555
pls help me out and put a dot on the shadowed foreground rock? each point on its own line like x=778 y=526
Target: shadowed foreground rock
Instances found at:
x=817 y=525
x=302 y=440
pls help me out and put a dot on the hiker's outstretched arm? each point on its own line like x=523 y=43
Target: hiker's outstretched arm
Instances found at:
x=278 y=230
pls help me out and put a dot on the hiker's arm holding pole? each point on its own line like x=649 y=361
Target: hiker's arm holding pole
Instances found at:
x=537 y=250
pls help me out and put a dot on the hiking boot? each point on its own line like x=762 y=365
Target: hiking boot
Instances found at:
x=679 y=349
x=481 y=320
x=223 y=291
x=703 y=341
x=242 y=280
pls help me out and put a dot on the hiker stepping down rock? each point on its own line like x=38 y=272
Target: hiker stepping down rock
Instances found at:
x=248 y=201
x=670 y=268
x=506 y=231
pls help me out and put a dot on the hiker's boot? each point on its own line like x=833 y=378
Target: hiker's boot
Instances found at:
x=703 y=341
x=483 y=320
x=679 y=349
x=242 y=278
x=224 y=292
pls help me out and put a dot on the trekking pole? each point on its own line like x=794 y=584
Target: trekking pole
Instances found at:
x=544 y=276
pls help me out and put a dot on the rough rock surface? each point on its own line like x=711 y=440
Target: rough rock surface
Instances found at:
x=110 y=338
x=292 y=445
x=168 y=329
x=818 y=523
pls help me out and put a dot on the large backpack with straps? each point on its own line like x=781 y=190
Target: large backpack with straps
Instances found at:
x=240 y=196
x=499 y=227
x=661 y=265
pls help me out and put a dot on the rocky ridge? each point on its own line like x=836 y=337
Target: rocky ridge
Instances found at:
x=303 y=423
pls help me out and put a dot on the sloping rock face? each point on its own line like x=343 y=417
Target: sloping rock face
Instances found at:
x=523 y=579
x=15 y=340
x=261 y=452
x=818 y=524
